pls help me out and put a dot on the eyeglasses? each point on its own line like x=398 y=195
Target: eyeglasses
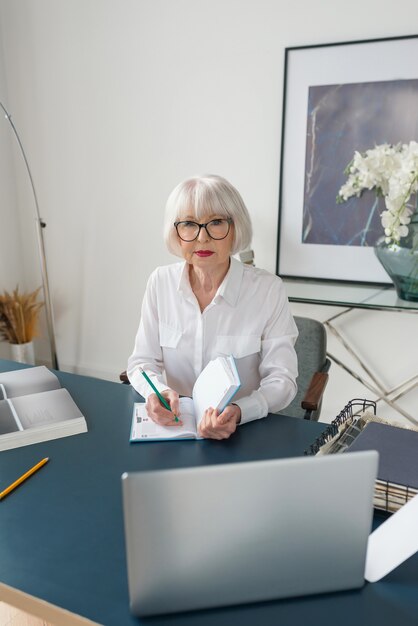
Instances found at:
x=216 y=229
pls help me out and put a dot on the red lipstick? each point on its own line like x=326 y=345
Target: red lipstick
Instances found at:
x=204 y=253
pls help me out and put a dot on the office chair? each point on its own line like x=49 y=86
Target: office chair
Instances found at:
x=311 y=347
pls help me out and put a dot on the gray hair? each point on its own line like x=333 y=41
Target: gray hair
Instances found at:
x=207 y=195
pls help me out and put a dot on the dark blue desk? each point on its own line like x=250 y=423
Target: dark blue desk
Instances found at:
x=61 y=532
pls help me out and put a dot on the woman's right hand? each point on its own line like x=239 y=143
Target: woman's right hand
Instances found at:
x=159 y=414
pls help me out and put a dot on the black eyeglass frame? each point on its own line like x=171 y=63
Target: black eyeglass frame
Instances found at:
x=228 y=219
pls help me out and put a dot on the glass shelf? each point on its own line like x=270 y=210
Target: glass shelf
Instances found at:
x=347 y=295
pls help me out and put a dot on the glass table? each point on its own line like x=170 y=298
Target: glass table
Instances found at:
x=357 y=296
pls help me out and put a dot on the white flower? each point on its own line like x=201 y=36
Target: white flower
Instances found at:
x=393 y=172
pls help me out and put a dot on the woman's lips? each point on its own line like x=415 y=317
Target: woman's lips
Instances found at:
x=204 y=252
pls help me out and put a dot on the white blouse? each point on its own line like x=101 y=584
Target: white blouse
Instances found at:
x=249 y=317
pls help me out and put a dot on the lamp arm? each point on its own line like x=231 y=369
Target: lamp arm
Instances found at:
x=40 y=225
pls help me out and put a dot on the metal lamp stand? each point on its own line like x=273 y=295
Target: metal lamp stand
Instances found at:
x=40 y=225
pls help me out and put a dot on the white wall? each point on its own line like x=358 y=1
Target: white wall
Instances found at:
x=117 y=101
x=11 y=271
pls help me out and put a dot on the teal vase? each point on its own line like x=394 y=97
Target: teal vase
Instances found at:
x=401 y=261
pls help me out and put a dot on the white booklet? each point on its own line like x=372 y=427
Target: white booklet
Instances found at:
x=34 y=407
x=215 y=387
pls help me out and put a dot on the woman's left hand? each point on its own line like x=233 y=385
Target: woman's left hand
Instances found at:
x=220 y=426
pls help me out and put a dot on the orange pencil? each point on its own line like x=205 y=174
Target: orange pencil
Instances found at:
x=20 y=480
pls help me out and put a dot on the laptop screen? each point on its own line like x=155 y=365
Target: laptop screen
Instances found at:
x=277 y=528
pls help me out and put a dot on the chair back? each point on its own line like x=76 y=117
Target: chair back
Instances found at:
x=311 y=350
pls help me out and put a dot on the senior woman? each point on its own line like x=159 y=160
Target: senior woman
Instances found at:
x=208 y=305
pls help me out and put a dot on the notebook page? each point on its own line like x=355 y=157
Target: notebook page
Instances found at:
x=143 y=427
x=45 y=408
x=28 y=381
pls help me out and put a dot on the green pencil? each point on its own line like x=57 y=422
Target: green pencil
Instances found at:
x=159 y=396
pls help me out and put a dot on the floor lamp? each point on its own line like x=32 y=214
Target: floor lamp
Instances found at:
x=40 y=225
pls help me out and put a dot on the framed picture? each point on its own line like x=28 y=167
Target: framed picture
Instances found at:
x=339 y=98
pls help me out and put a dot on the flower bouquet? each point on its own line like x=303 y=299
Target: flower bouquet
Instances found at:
x=392 y=172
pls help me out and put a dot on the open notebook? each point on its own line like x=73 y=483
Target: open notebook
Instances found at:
x=215 y=387
x=34 y=408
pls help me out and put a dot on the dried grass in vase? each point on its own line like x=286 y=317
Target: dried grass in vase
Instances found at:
x=19 y=316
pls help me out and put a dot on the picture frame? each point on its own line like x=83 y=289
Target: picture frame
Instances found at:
x=338 y=98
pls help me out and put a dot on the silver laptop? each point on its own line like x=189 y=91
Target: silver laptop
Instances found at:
x=243 y=532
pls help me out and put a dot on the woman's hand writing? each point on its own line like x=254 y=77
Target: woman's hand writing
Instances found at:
x=159 y=414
